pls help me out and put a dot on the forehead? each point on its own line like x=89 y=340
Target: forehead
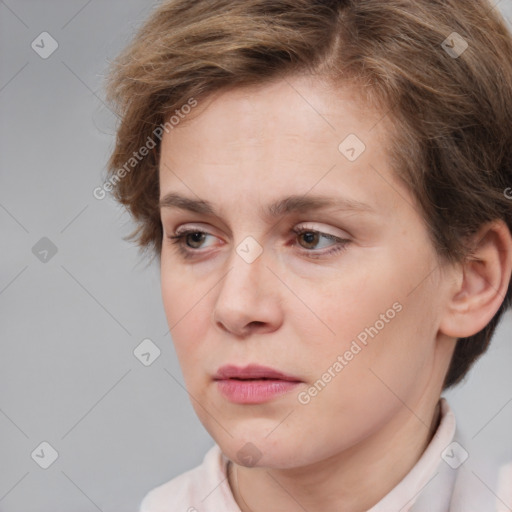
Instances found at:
x=285 y=107
x=281 y=137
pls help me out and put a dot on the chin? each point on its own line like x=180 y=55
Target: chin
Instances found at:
x=258 y=451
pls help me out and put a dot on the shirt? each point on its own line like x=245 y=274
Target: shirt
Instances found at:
x=445 y=479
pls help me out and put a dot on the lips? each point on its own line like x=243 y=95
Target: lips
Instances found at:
x=253 y=384
x=252 y=372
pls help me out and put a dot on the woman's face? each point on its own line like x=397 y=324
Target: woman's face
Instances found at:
x=348 y=306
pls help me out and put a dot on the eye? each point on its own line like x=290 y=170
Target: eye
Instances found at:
x=312 y=236
x=189 y=241
x=197 y=238
x=182 y=238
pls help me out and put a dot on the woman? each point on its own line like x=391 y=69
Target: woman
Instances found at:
x=324 y=184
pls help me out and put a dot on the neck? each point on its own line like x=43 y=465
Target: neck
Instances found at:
x=352 y=481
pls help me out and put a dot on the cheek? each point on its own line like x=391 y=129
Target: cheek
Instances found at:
x=370 y=316
x=342 y=308
x=187 y=311
x=181 y=291
x=370 y=382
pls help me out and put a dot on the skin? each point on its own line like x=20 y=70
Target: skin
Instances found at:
x=358 y=437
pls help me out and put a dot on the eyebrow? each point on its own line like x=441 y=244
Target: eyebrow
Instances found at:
x=286 y=205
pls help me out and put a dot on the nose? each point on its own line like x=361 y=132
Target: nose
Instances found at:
x=248 y=300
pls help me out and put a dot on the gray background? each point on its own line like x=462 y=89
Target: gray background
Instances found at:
x=69 y=325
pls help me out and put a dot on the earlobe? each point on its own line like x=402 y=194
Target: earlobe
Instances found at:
x=482 y=282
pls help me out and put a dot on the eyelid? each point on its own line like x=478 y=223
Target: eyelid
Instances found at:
x=189 y=227
x=319 y=229
x=301 y=227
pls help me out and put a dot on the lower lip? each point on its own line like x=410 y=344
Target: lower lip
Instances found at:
x=254 y=391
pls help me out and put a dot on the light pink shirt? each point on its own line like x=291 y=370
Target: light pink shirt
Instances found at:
x=445 y=479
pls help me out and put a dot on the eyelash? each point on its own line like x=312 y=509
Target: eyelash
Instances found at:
x=341 y=245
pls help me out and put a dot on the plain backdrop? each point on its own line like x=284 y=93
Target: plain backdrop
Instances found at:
x=76 y=300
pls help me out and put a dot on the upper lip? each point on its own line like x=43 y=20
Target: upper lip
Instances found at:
x=252 y=371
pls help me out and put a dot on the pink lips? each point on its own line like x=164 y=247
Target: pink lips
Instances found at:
x=253 y=384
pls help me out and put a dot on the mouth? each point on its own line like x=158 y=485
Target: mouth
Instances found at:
x=253 y=384
x=252 y=372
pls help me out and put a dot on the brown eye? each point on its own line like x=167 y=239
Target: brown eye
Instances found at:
x=196 y=237
x=189 y=241
x=311 y=239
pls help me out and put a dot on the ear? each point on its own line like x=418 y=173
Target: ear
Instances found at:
x=482 y=282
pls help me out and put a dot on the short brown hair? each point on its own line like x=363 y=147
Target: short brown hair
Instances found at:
x=451 y=112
